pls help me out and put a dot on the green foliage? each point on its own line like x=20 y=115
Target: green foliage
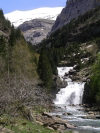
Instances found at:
x=22 y=125
x=22 y=60
x=2 y=46
x=45 y=70
x=98 y=42
x=94 y=93
x=18 y=66
x=4 y=24
x=1 y=14
x=85 y=28
x=15 y=35
x=55 y=55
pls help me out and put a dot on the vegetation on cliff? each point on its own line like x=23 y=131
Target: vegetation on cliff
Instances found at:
x=92 y=87
x=71 y=44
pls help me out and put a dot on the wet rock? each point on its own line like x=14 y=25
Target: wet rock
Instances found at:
x=58 y=116
x=91 y=113
x=66 y=113
x=66 y=74
x=69 y=113
x=75 y=78
x=72 y=72
x=59 y=83
x=97 y=117
x=89 y=117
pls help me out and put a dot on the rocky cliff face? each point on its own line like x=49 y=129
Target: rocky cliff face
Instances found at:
x=73 y=9
x=36 y=30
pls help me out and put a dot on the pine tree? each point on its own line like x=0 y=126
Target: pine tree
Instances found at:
x=12 y=37
x=45 y=70
x=2 y=46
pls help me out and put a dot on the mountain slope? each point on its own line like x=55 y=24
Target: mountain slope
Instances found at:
x=73 y=9
x=36 y=30
x=18 y=17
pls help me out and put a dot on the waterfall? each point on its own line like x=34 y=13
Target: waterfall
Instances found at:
x=72 y=94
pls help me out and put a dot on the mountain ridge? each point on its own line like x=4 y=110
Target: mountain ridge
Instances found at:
x=39 y=13
x=73 y=9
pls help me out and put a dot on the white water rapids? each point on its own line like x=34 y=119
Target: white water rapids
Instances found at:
x=72 y=94
x=69 y=99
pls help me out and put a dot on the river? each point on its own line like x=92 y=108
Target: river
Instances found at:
x=69 y=100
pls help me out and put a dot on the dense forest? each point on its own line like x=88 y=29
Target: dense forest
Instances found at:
x=18 y=67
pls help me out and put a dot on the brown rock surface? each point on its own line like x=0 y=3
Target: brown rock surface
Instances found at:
x=53 y=122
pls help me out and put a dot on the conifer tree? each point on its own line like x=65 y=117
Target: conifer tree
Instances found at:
x=44 y=69
x=2 y=46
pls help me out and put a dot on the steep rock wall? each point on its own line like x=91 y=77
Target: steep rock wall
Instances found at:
x=73 y=9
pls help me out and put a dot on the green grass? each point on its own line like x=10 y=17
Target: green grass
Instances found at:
x=21 y=125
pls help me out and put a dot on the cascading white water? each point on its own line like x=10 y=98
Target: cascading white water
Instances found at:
x=73 y=93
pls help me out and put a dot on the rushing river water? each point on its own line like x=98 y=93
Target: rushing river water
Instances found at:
x=68 y=100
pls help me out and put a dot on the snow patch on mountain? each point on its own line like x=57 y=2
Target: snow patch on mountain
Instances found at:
x=19 y=17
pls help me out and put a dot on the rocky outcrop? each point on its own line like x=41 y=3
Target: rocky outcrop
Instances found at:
x=73 y=9
x=36 y=30
x=53 y=122
x=58 y=83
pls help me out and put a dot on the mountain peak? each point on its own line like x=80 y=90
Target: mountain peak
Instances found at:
x=18 y=17
x=73 y=9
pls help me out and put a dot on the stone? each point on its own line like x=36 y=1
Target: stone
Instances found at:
x=89 y=117
x=36 y=30
x=53 y=122
x=59 y=83
x=58 y=116
x=97 y=117
x=91 y=113
x=69 y=113
x=72 y=72
x=65 y=113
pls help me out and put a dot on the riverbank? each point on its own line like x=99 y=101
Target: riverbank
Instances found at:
x=33 y=120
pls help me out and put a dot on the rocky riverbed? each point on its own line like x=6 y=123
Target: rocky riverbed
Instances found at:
x=53 y=122
x=69 y=106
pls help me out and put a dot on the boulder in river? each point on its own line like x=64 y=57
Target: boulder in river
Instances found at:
x=60 y=83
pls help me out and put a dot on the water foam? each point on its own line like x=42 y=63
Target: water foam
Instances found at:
x=72 y=94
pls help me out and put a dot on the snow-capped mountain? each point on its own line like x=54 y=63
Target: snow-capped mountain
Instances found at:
x=18 y=17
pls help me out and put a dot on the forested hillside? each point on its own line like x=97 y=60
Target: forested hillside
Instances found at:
x=22 y=95
x=19 y=81
x=76 y=43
